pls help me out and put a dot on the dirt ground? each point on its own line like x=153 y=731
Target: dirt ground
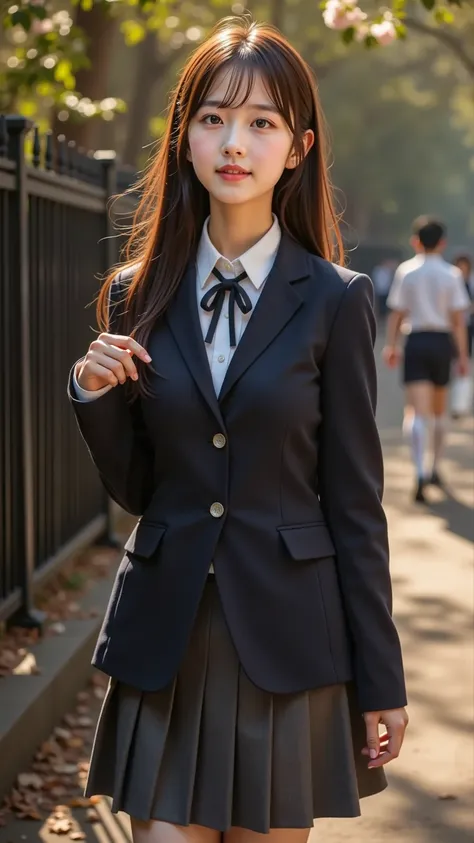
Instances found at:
x=430 y=798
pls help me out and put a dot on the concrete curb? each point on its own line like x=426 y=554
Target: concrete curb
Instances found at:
x=31 y=706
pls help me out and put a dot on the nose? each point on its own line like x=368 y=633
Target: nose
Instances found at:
x=231 y=150
x=233 y=146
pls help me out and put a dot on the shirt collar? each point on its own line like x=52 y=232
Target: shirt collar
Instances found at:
x=256 y=261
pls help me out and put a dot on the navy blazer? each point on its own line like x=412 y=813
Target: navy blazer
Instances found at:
x=287 y=506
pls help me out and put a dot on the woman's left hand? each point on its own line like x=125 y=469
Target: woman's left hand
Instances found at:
x=386 y=747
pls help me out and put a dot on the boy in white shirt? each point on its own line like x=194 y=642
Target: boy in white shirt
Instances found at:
x=429 y=294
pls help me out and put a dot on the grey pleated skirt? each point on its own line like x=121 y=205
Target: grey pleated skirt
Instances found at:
x=215 y=750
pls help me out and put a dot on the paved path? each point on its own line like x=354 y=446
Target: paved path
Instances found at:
x=433 y=586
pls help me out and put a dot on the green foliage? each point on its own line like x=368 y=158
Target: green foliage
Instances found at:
x=46 y=49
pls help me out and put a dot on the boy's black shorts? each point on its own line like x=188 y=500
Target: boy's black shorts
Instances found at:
x=428 y=357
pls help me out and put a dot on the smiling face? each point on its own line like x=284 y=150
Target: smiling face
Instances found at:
x=240 y=152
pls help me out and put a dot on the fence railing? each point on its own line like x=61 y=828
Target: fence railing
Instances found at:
x=56 y=239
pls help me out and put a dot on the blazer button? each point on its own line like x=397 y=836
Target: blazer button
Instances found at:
x=219 y=440
x=216 y=510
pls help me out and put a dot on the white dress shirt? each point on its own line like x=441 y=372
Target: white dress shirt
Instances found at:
x=257 y=263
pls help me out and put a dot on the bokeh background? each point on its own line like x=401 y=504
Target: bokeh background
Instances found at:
x=401 y=116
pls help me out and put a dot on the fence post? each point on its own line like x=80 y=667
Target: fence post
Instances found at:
x=109 y=164
x=18 y=127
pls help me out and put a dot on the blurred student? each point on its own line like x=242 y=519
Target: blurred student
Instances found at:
x=382 y=276
x=430 y=295
x=464 y=263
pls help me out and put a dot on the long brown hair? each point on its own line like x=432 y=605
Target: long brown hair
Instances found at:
x=174 y=204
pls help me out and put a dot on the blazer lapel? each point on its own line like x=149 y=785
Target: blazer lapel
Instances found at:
x=183 y=320
x=277 y=304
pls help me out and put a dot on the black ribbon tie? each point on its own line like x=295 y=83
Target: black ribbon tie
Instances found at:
x=213 y=300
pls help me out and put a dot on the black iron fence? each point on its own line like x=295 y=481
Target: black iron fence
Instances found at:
x=56 y=239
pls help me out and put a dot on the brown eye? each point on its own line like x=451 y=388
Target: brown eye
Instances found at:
x=261 y=123
x=212 y=119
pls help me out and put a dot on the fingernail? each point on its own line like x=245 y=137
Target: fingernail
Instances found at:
x=135 y=376
x=147 y=358
x=373 y=753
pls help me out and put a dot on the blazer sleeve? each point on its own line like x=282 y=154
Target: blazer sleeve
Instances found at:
x=116 y=437
x=350 y=490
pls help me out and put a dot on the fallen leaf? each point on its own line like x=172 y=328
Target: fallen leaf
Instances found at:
x=30 y=780
x=29 y=814
x=62 y=734
x=65 y=769
x=80 y=802
x=8 y=657
x=62 y=826
x=57 y=628
x=77 y=835
x=447 y=796
x=75 y=742
x=58 y=791
x=27 y=666
x=51 y=747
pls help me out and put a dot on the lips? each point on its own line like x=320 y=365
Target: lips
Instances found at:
x=233 y=170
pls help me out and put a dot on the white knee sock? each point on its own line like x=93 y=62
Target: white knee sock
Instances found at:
x=439 y=431
x=418 y=441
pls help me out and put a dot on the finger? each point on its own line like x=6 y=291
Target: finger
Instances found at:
x=393 y=750
x=383 y=745
x=105 y=350
x=127 y=342
x=102 y=372
x=384 y=758
x=110 y=364
x=372 y=729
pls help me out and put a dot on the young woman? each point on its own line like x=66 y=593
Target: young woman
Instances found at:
x=229 y=403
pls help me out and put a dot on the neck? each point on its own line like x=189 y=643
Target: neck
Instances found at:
x=233 y=229
x=428 y=253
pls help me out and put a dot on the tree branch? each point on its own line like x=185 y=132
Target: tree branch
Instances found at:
x=447 y=38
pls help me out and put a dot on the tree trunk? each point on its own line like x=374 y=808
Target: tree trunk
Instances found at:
x=140 y=102
x=99 y=28
x=277 y=13
x=150 y=95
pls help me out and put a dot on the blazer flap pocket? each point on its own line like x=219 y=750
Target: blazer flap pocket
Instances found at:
x=145 y=538
x=307 y=541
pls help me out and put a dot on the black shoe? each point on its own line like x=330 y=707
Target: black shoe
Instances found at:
x=419 y=496
x=435 y=479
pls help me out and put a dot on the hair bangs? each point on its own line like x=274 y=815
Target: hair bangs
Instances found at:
x=240 y=71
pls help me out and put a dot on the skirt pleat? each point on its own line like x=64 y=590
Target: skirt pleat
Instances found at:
x=254 y=749
x=215 y=750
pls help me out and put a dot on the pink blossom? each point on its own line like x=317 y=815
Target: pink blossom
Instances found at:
x=362 y=31
x=384 y=32
x=356 y=16
x=341 y=14
x=41 y=27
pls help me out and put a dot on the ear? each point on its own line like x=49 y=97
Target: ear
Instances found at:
x=308 y=141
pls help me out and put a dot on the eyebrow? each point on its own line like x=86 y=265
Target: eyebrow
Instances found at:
x=257 y=106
